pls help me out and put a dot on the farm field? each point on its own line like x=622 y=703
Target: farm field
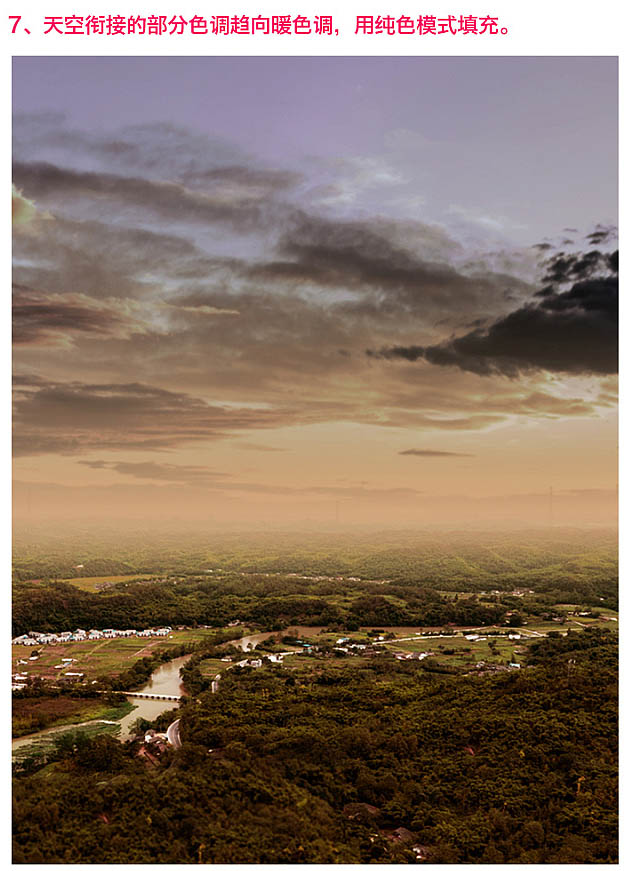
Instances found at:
x=95 y=659
x=460 y=651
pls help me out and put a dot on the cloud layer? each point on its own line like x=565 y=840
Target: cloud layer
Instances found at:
x=176 y=290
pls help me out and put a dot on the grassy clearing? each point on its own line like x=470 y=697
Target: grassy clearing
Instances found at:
x=211 y=667
x=97 y=585
x=33 y=714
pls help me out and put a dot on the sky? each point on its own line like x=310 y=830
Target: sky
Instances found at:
x=315 y=290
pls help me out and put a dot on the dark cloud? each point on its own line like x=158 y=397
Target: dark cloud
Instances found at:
x=166 y=200
x=106 y=260
x=360 y=255
x=147 y=172
x=612 y=261
x=42 y=318
x=391 y=268
x=412 y=353
x=58 y=319
x=422 y=452
x=73 y=417
x=157 y=150
x=574 y=267
x=242 y=181
x=388 y=268
x=602 y=234
x=28 y=380
x=572 y=331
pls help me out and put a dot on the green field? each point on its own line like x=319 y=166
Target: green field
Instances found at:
x=96 y=585
x=97 y=658
x=211 y=667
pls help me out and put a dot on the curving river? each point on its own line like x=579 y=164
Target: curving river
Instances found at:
x=166 y=680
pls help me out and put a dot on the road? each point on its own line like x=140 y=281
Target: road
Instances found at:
x=172 y=734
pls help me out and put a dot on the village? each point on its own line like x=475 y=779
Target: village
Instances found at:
x=372 y=644
x=31 y=639
x=67 y=675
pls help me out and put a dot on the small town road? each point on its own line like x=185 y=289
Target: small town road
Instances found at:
x=172 y=734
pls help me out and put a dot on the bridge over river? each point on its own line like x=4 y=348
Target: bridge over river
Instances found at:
x=153 y=696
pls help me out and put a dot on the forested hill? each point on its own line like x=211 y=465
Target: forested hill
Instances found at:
x=56 y=606
x=353 y=766
x=278 y=601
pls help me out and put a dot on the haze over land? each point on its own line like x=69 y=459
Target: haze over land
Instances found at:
x=367 y=291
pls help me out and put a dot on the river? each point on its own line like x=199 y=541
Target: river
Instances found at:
x=164 y=679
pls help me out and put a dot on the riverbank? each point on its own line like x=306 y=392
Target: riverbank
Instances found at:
x=40 y=745
x=33 y=715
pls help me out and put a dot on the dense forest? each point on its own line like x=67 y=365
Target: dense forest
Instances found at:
x=272 y=604
x=57 y=606
x=380 y=764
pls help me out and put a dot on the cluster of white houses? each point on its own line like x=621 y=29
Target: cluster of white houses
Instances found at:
x=36 y=638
